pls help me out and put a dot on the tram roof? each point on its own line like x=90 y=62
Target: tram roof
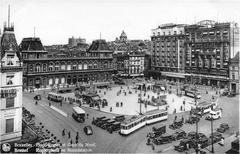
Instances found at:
x=154 y=111
x=204 y=103
x=78 y=110
x=132 y=119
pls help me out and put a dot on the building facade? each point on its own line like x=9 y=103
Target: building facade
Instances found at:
x=42 y=70
x=234 y=74
x=72 y=42
x=209 y=47
x=11 y=87
x=168 y=56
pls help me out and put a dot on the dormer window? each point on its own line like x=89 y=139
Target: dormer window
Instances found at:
x=10 y=59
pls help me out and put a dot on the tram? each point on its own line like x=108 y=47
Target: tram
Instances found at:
x=192 y=93
x=136 y=122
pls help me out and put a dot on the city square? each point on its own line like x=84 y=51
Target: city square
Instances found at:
x=174 y=89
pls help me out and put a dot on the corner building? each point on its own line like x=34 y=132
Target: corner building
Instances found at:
x=10 y=87
x=168 y=56
x=209 y=47
x=42 y=70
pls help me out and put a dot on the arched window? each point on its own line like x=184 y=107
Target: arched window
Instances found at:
x=63 y=66
x=69 y=66
x=44 y=67
x=80 y=66
x=50 y=68
x=38 y=68
x=57 y=66
x=105 y=65
x=90 y=66
x=30 y=68
x=74 y=66
x=85 y=66
x=95 y=65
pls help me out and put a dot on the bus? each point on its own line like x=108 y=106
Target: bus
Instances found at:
x=136 y=122
x=205 y=107
x=156 y=115
x=192 y=93
x=54 y=97
x=78 y=114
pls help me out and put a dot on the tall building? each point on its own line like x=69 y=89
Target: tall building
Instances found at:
x=234 y=74
x=42 y=70
x=72 y=42
x=11 y=87
x=209 y=47
x=168 y=56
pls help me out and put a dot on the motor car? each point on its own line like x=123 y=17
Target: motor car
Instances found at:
x=37 y=97
x=223 y=127
x=88 y=130
x=119 y=118
x=176 y=125
x=182 y=145
x=163 y=139
x=193 y=119
x=97 y=120
x=216 y=137
x=179 y=134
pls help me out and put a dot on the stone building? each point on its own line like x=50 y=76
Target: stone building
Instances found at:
x=10 y=87
x=209 y=47
x=42 y=70
x=168 y=56
x=234 y=74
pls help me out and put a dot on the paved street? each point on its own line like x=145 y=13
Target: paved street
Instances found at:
x=136 y=142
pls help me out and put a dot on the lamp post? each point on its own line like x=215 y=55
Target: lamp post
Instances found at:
x=212 y=133
x=195 y=98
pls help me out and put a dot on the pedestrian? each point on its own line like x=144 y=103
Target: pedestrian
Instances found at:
x=36 y=102
x=121 y=104
x=110 y=109
x=76 y=137
x=63 y=132
x=71 y=143
x=69 y=134
x=222 y=141
x=87 y=115
x=175 y=118
x=49 y=103
x=182 y=119
x=153 y=148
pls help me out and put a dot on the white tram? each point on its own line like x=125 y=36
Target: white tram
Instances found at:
x=136 y=122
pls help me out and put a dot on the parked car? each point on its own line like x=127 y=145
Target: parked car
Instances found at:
x=179 y=134
x=192 y=119
x=182 y=145
x=214 y=114
x=37 y=97
x=163 y=139
x=223 y=127
x=216 y=137
x=176 y=125
x=88 y=130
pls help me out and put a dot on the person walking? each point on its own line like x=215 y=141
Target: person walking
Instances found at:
x=63 y=132
x=69 y=134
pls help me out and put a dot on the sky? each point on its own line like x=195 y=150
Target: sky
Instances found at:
x=57 y=20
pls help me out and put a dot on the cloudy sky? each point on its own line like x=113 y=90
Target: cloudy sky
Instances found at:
x=57 y=20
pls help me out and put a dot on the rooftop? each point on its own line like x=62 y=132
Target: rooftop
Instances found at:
x=99 y=45
x=31 y=44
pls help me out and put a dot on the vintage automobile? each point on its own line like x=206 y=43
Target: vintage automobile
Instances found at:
x=176 y=125
x=183 y=145
x=37 y=97
x=214 y=114
x=98 y=119
x=114 y=127
x=163 y=139
x=216 y=137
x=156 y=132
x=107 y=124
x=223 y=127
x=179 y=134
x=192 y=119
x=88 y=130
x=119 y=118
x=102 y=122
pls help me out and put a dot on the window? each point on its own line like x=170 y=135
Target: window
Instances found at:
x=9 y=102
x=233 y=76
x=9 y=79
x=10 y=59
x=44 y=67
x=38 y=68
x=9 y=125
x=175 y=32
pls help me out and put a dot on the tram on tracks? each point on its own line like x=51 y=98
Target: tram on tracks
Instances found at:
x=136 y=122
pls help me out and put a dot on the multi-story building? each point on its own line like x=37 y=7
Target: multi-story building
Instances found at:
x=209 y=47
x=72 y=42
x=10 y=87
x=130 y=64
x=168 y=56
x=42 y=70
x=234 y=74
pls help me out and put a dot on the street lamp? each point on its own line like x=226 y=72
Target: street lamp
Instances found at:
x=212 y=132
x=197 y=116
